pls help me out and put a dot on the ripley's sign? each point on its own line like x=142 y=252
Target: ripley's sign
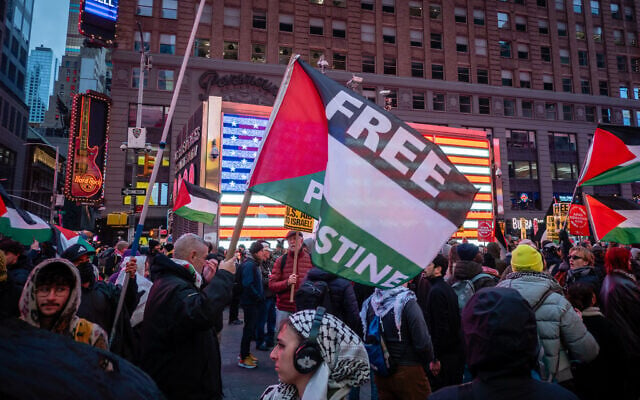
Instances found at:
x=211 y=78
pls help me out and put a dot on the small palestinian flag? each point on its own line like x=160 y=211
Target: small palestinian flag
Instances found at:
x=196 y=203
x=614 y=219
x=65 y=238
x=20 y=225
x=614 y=156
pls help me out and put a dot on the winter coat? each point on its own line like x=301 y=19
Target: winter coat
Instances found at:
x=68 y=323
x=252 y=289
x=442 y=315
x=620 y=302
x=180 y=349
x=17 y=275
x=279 y=276
x=100 y=300
x=586 y=275
x=466 y=270
x=559 y=326
x=343 y=298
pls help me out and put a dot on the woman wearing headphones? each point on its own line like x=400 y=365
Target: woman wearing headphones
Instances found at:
x=317 y=357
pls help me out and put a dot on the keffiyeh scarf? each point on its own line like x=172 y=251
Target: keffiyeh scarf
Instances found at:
x=383 y=301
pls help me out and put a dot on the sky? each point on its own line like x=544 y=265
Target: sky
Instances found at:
x=49 y=26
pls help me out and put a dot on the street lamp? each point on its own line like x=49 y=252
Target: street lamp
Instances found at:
x=54 y=191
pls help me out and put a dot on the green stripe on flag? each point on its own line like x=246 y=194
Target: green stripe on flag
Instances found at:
x=344 y=249
x=194 y=215
x=292 y=192
x=629 y=173
x=24 y=236
x=623 y=235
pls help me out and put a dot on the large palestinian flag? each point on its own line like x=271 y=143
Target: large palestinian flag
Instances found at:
x=196 y=203
x=66 y=238
x=387 y=198
x=614 y=219
x=614 y=156
x=20 y=225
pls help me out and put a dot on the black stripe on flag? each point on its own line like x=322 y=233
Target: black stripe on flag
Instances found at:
x=9 y=204
x=202 y=193
x=629 y=135
x=617 y=203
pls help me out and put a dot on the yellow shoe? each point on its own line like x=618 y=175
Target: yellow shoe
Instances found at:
x=247 y=363
x=254 y=358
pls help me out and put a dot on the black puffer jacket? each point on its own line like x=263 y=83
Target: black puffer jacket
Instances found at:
x=343 y=298
x=100 y=300
x=180 y=349
x=620 y=303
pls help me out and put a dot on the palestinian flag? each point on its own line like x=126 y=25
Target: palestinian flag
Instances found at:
x=65 y=238
x=386 y=198
x=614 y=219
x=614 y=156
x=20 y=225
x=196 y=203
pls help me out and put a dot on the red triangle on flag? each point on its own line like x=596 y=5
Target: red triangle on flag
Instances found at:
x=3 y=207
x=603 y=219
x=611 y=152
x=183 y=198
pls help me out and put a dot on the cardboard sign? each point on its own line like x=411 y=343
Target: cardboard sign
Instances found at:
x=297 y=220
x=485 y=231
x=578 y=221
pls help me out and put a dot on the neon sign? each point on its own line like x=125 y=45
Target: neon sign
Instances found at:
x=107 y=9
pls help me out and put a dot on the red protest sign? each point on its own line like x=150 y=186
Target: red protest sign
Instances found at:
x=485 y=231
x=578 y=221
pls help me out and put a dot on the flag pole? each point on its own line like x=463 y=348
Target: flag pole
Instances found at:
x=575 y=189
x=156 y=165
x=239 y=223
x=296 y=250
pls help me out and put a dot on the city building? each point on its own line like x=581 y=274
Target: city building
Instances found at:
x=536 y=75
x=38 y=83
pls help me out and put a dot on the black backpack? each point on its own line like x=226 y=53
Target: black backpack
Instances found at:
x=312 y=294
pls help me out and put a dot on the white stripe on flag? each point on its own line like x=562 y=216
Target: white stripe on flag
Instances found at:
x=380 y=207
x=18 y=223
x=632 y=216
x=204 y=205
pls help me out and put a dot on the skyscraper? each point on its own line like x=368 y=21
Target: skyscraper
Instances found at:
x=38 y=83
x=74 y=38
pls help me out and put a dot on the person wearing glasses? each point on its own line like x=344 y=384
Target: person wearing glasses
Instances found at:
x=50 y=300
x=581 y=269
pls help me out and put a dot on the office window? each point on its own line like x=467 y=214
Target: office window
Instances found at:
x=339 y=61
x=460 y=15
x=617 y=38
x=286 y=23
x=580 y=35
x=202 y=48
x=562 y=141
x=582 y=58
x=207 y=13
x=437 y=71
x=635 y=65
x=590 y=113
x=145 y=8
x=436 y=40
x=368 y=33
x=525 y=79
x=597 y=34
x=389 y=66
x=259 y=20
x=165 y=79
x=563 y=171
x=505 y=48
x=503 y=20
x=547 y=82
x=135 y=81
x=559 y=5
x=606 y=115
x=632 y=39
x=527 y=109
x=462 y=44
x=463 y=74
x=604 y=88
x=284 y=54
x=339 y=29
x=545 y=53
x=615 y=11
x=484 y=105
x=388 y=6
x=507 y=78
x=482 y=75
x=167 y=44
x=230 y=51
x=595 y=7
x=562 y=29
x=415 y=9
x=388 y=34
x=636 y=93
x=369 y=64
x=567 y=85
x=543 y=27
x=628 y=13
x=435 y=11
x=523 y=51
x=564 y=56
x=624 y=92
x=567 y=112
x=622 y=63
x=418 y=101
x=577 y=6
x=438 y=102
x=340 y=3
x=258 y=53
x=231 y=17
x=521 y=23
x=509 y=107
x=481 y=47
x=146 y=36
x=316 y=26
x=550 y=111
x=366 y=5
x=314 y=56
x=478 y=17
x=415 y=38
x=170 y=9
x=600 y=60
x=585 y=86
x=465 y=104
x=417 y=69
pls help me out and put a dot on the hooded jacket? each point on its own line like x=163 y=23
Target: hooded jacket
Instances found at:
x=466 y=270
x=67 y=322
x=180 y=349
x=559 y=327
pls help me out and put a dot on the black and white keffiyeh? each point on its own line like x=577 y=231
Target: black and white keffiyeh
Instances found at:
x=383 y=301
x=345 y=365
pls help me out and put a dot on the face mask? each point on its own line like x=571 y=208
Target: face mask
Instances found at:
x=86 y=273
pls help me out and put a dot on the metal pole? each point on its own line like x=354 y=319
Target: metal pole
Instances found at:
x=54 y=193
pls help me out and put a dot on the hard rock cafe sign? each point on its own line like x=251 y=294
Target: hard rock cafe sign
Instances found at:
x=211 y=79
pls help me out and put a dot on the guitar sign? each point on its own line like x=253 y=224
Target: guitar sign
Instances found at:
x=87 y=178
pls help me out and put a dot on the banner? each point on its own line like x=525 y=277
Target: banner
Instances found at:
x=578 y=221
x=485 y=231
x=297 y=220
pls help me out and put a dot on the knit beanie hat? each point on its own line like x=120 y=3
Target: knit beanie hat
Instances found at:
x=526 y=258
x=467 y=251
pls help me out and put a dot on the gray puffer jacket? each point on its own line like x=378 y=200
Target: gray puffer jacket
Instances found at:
x=559 y=326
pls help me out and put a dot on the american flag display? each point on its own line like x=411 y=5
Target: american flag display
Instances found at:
x=241 y=137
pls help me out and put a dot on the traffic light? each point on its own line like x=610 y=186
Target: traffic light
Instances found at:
x=147 y=168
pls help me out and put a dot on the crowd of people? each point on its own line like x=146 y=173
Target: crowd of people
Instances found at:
x=525 y=322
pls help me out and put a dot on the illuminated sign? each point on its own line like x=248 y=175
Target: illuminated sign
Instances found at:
x=98 y=21
x=88 y=138
x=107 y=9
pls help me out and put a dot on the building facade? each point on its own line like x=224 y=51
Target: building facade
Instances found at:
x=536 y=75
x=38 y=83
